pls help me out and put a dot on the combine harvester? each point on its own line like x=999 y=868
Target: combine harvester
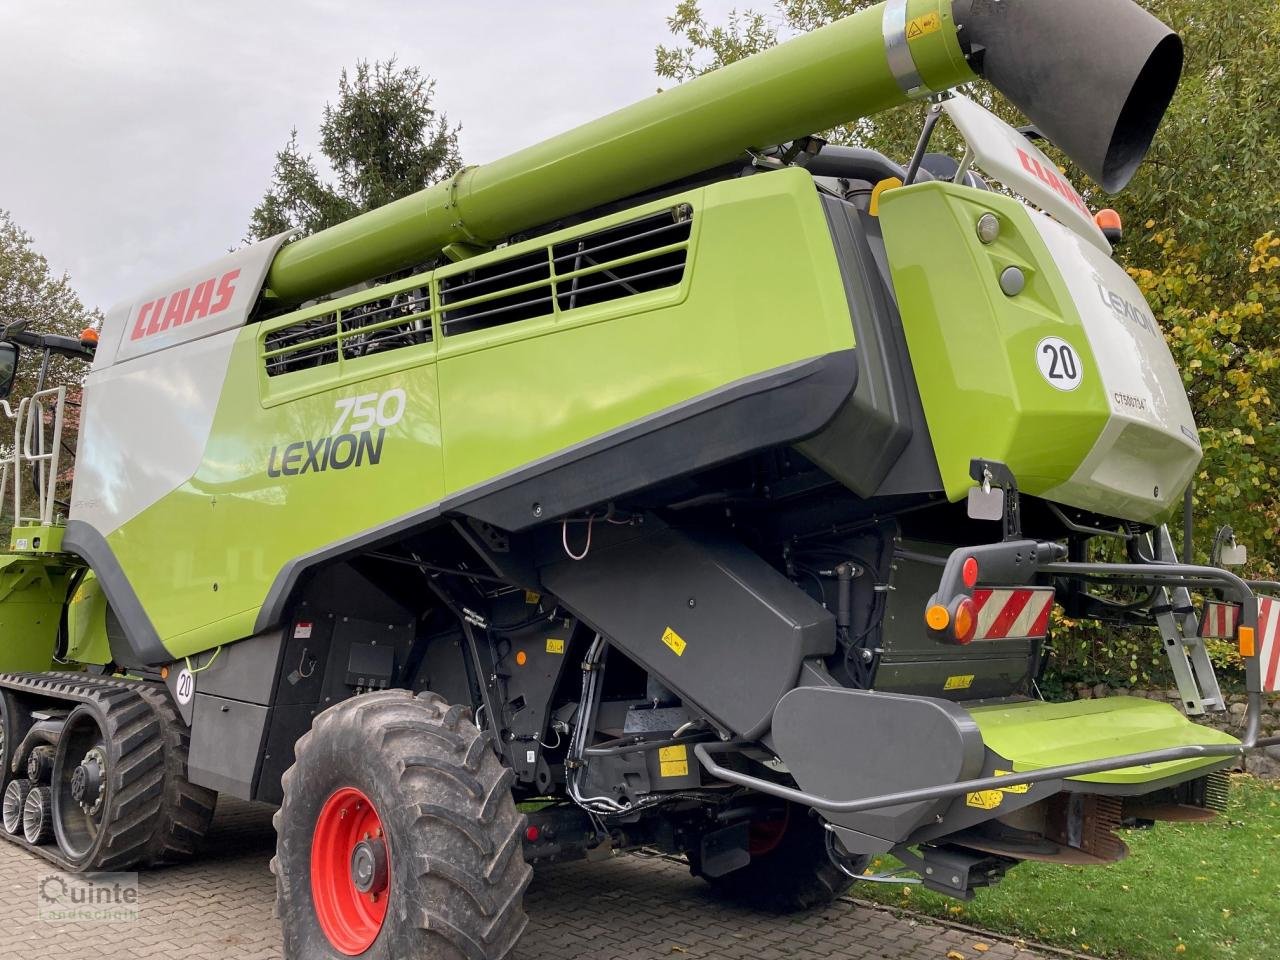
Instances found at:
x=674 y=473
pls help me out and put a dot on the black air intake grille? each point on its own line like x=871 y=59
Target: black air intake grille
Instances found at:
x=635 y=257
x=387 y=323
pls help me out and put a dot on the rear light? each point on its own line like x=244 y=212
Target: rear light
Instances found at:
x=966 y=621
x=969 y=572
x=1019 y=613
x=937 y=617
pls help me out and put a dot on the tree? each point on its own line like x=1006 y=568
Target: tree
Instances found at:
x=383 y=139
x=30 y=292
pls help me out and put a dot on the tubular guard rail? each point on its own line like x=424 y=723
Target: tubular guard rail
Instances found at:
x=1157 y=574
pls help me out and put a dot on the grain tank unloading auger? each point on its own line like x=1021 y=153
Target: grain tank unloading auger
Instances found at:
x=641 y=457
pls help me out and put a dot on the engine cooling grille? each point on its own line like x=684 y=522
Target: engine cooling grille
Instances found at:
x=641 y=255
x=623 y=260
x=386 y=323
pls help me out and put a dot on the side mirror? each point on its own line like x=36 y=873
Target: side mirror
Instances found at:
x=8 y=367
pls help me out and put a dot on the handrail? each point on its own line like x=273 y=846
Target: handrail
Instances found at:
x=9 y=465
x=30 y=447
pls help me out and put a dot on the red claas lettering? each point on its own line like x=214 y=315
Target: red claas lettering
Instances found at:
x=1059 y=185
x=204 y=299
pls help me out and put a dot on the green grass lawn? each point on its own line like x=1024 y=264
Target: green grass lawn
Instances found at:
x=1191 y=891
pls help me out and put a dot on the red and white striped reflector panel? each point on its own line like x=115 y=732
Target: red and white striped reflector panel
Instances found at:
x=1021 y=613
x=1220 y=620
x=1269 y=643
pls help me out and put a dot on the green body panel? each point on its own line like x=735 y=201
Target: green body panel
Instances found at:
x=481 y=403
x=969 y=342
x=33 y=590
x=36 y=538
x=829 y=76
x=1036 y=735
x=87 y=640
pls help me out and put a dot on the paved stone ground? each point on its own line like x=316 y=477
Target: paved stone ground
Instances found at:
x=626 y=908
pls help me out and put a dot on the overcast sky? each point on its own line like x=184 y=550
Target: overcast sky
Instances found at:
x=137 y=135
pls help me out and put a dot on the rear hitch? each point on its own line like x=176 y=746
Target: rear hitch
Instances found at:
x=954 y=871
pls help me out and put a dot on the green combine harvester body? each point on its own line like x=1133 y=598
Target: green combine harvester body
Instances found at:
x=710 y=485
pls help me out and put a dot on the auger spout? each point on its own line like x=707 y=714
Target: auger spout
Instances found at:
x=1099 y=97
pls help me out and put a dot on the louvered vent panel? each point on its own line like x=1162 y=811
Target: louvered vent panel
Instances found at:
x=631 y=258
x=517 y=288
x=387 y=323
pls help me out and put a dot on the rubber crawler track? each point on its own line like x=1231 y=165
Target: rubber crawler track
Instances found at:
x=169 y=816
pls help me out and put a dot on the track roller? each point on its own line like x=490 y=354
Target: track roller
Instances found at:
x=15 y=797
x=37 y=816
x=40 y=764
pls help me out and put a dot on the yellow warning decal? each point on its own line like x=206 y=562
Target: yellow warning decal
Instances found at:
x=554 y=645
x=673 y=761
x=922 y=25
x=1019 y=788
x=674 y=641
x=959 y=682
x=984 y=799
x=531 y=598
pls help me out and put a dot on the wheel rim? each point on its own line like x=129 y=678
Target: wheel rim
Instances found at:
x=81 y=782
x=15 y=797
x=764 y=836
x=35 y=817
x=350 y=871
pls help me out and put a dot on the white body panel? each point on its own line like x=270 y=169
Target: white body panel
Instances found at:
x=1012 y=159
x=144 y=428
x=148 y=411
x=1149 y=449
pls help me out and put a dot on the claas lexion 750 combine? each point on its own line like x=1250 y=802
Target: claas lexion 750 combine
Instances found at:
x=680 y=482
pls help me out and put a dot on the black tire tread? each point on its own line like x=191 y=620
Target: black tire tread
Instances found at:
x=795 y=876
x=468 y=873
x=158 y=815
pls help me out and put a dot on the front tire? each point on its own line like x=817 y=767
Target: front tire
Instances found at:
x=398 y=837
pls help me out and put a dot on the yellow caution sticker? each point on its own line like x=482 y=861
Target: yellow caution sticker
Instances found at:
x=923 y=25
x=674 y=641
x=673 y=761
x=1018 y=788
x=531 y=598
x=984 y=799
x=554 y=645
x=959 y=682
